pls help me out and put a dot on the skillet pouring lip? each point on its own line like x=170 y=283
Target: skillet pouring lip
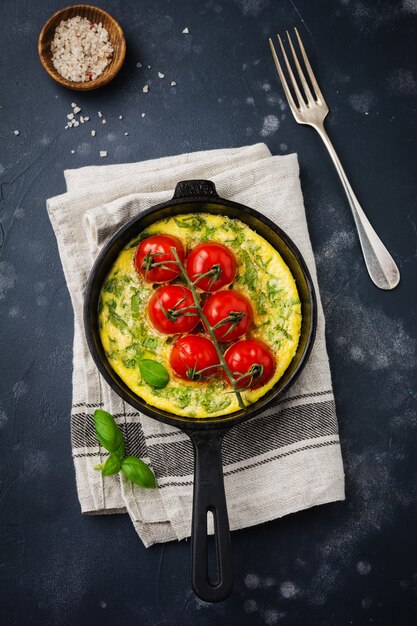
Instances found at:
x=216 y=206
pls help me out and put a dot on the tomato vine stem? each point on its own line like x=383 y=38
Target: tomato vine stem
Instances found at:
x=209 y=329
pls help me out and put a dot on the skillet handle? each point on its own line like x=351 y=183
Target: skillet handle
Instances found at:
x=191 y=188
x=209 y=496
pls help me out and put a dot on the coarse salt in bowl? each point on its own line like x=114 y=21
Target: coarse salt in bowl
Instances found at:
x=82 y=47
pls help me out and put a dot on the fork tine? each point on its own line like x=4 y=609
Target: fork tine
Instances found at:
x=283 y=80
x=300 y=98
x=308 y=67
x=301 y=76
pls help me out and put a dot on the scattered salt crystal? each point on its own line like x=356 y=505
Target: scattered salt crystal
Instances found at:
x=173 y=83
x=103 y=121
x=16 y=132
x=126 y=134
x=145 y=89
x=186 y=31
x=70 y=116
x=81 y=119
x=103 y=153
x=99 y=113
x=93 y=133
x=76 y=123
x=120 y=117
x=66 y=127
x=143 y=114
x=138 y=64
x=149 y=67
x=77 y=109
x=73 y=105
x=86 y=119
x=160 y=75
x=72 y=151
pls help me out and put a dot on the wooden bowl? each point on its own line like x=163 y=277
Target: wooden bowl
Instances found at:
x=96 y=15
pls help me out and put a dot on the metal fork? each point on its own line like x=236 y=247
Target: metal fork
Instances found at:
x=309 y=107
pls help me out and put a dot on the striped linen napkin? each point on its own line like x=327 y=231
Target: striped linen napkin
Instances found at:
x=290 y=455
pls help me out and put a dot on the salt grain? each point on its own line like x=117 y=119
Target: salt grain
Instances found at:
x=186 y=31
x=143 y=114
x=80 y=49
x=73 y=105
x=160 y=75
x=145 y=89
x=120 y=117
x=72 y=151
x=86 y=119
x=81 y=119
x=93 y=133
x=99 y=113
x=77 y=109
x=173 y=83
x=70 y=116
x=76 y=123
x=16 y=132
x=126 y=134
x=103 y=121
x=103 y=153
x=138 y=64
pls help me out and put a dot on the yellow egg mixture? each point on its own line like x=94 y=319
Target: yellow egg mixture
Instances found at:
x=128 y=335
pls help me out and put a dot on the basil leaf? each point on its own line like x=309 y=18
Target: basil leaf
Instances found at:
x=138 y=472
x=154 y=373
x=108 y=433
x=111 y=466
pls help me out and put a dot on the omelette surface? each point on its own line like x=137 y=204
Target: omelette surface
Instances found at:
x=128 y=335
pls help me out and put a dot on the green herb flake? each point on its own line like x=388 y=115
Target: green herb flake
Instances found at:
x=273 y=291
x=130 y=363
x=150 y=343
x=135 y=303
x=282 y=330
x=250 y=275
x=214 y=401
x=112 y=285
x=118 y=322
x=193 y=223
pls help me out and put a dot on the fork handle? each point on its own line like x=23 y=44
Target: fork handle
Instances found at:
x=380 y=264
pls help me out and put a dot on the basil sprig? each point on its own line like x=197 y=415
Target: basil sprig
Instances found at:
x=111 y=438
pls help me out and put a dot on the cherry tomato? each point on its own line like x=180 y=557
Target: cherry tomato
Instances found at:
x=211 y=266
x=194 y=357
x=230 y=312
x=252 y=359
x=154 y=259
x=172 y=311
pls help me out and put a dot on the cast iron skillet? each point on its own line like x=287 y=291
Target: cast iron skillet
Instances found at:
x=196 y=196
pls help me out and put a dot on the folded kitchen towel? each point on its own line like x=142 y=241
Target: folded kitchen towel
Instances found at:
x=289 y=456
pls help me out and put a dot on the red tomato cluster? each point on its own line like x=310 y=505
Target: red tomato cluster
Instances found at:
x=212 y=268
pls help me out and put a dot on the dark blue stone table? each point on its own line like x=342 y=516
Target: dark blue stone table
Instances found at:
x=352 y=562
